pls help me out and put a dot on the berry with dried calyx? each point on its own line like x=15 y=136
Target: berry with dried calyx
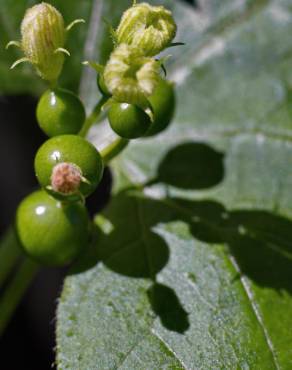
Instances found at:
x=68 y=166
x=66 y=178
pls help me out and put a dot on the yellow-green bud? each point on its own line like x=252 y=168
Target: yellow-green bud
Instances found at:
x=130 y=77
x=43 y=38
x=149 y=28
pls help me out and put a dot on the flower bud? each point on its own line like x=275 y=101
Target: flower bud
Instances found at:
x=149 y=28
x=130 y=77
x=43 y=37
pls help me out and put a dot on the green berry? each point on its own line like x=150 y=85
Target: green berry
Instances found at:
x=128 y=121
x=51 y=232
x=163 y=104
x=68 y=166
x=102 y=86
x=60 y=112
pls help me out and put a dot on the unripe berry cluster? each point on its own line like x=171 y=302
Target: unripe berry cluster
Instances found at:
x=141 y=102
x=52 y=223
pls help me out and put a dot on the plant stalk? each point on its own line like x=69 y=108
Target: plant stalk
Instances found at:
x=113 y=149
x=91 y=119
x=15 y=290
x=10 y=253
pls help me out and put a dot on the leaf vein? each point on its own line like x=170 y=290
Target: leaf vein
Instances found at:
x=256 y=311
x=155 y=334
x=135 y=345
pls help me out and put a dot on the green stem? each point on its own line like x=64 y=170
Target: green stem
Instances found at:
x=113 y=149
x=53 y=84
x=10 y=253
x=93 y=117
x=15 y=290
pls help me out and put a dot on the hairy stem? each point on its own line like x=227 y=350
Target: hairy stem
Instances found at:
x=15 y=290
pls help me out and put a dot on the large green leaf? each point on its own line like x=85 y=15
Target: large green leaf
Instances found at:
x=191 y=265
x=191 y=268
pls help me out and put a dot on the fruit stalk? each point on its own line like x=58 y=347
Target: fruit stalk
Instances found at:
x=113 y=149
x=92 y=118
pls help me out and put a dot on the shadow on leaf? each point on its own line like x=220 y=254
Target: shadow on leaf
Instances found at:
x=129 y=244
x=262 y=247
x=126 y=243
x=166 y=305
x=191 y=166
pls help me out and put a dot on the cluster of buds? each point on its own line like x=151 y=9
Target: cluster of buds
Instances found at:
x=43 y=37
x=130 y=81
x=132 y=73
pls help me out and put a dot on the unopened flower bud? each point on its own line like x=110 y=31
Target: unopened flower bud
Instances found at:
x=149 y=28
x=66 y=178
x=130 y=77
x=43 y=39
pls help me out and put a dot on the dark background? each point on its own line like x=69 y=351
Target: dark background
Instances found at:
x=29 y=342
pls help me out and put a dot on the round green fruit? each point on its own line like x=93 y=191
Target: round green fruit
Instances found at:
x=163 y=105
x=51 y=232
x=128 y=120
x=102 y=86
x=60 y=112
x=68 y=166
